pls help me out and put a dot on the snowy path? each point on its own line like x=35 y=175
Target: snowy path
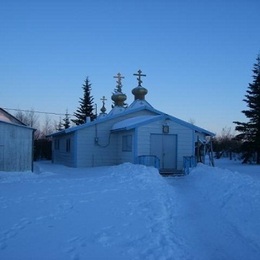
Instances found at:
x=211 y=227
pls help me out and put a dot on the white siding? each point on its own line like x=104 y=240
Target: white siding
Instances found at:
x=125 y=156
x=94 y=146
x=60 y=155
x=97 y=146
x=184 y=139
x=16 y=147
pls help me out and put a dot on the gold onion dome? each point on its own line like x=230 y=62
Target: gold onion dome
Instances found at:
x=119 y=98
x=139 y=92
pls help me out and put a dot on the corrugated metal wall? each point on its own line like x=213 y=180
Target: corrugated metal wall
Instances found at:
x=16 y=147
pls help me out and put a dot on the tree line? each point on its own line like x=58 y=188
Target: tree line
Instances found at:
x=245 y=142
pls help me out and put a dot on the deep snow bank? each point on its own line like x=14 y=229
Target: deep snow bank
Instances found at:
x=236 y=195
x=128 y=212
x=120 y=212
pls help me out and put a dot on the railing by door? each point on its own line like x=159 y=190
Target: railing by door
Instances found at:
x=148 y=160
x=189 y=162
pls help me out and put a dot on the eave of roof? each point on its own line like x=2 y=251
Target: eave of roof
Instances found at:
x=17 y=121
x=160 y=115
x=132 y=123
x=104 y=119
x=18 y=125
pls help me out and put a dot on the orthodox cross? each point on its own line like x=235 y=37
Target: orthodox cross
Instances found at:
x=119 y=77
x=103 y=109
x=139 y=75
x=103 y=99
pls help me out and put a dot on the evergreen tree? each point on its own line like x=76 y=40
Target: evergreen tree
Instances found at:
x=59 y=126
x=86 y=106
x=66 y=120
x=250 y=131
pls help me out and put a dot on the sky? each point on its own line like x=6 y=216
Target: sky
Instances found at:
x=198 y=56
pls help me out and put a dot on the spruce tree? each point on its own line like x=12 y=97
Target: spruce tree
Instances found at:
x=66 y=120
x=250 y=131
x=59 y=126
x=86 y=105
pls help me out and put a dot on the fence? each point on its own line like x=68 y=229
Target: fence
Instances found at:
x=189 y=162
x=149 y=160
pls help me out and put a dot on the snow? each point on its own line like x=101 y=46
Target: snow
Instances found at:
x=133 y=121
x=5 y=119
x=130 y=212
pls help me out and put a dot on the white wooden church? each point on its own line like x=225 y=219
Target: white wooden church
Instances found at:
x=137 y=134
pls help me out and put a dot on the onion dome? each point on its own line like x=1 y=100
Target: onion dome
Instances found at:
x=103 y=109
x=118 y=97
x=139 y=92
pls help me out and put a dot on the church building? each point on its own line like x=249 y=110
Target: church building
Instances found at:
x=137 y=133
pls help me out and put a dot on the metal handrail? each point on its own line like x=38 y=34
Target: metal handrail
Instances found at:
x=149 y=160
x=189 y=162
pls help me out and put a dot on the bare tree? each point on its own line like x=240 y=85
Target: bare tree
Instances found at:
x=48 y=127
x=28 y=117
x=225 y=143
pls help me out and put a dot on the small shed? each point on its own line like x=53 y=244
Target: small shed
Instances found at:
x=16 y=144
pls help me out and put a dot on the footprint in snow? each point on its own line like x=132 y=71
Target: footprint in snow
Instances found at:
x=12 y=232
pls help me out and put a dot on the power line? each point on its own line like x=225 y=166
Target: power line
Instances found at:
x=39 y=112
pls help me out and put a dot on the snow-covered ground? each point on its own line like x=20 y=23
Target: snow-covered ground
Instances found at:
x=130 y=212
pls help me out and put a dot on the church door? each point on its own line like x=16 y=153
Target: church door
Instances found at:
x=164 y=146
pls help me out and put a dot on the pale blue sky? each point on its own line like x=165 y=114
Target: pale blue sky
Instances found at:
x=198 y=55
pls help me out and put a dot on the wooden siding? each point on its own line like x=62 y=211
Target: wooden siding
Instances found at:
x=16 y=147
x=97 y=146
x=60 y=154
x=125 y=156
x=184 y=139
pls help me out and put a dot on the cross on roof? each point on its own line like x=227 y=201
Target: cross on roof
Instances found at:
x=103 y=99
x=139 y=75
x=119 y=78
x=103 y=109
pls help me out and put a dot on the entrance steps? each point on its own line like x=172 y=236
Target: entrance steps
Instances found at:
x=171 y=172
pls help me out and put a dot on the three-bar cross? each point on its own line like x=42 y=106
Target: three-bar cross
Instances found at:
x=139 y=75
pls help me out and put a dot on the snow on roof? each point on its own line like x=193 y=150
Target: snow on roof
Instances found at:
x=8 y=118
x=131 y=122
x=116 y=110
x=5 y=119
x=139 y=103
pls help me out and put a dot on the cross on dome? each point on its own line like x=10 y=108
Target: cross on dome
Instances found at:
x=103 y=99
x=103 y=109
x=119 y=78
x=139 y=75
